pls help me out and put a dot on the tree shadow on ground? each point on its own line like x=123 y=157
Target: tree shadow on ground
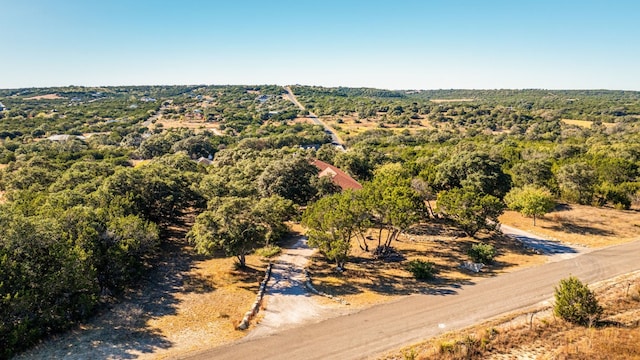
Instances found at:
x=439 y=242
x=249 y=276
x=381 y=277
x=571 y=227
x=121 y=328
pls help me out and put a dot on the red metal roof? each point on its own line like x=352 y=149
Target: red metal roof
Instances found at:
x=338 y=176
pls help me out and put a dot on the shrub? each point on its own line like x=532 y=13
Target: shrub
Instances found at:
x=421 y=270
x=482 y=253
x=575 y=303
x=269 y=251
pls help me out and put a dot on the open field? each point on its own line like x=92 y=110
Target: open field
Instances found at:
x=196 y=125
x=351 y=125
x=536 y=334
x=46 y=97
x=584 y=123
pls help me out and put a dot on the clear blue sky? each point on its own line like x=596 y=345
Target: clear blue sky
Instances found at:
x=401 y=44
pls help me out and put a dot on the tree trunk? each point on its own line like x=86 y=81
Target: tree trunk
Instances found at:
x=358 y=240
x=366 y=245
x=431 y=212
x=242 y=260
x=534 y=219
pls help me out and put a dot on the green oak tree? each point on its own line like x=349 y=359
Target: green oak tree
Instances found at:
x=472 y=210
x=530 y=200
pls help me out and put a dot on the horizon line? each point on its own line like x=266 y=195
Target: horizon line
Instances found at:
x=322 y=86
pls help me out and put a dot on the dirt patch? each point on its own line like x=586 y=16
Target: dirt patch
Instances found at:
x=46 y=97
x=582 y=225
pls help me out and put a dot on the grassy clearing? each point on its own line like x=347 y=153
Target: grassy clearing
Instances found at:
x=583 y=225
x=45 y=97
x=538 y=335
x=368 y=281
x=350 y=125
x=584 y=123
x=192 y=124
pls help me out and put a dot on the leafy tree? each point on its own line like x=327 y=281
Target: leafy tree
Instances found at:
x=530 y=200
x=327 y=153
x=470 y=209
x=575 y=303
x=577 y=182
x=195 y=146
x=392 y=204
x=272 y=212
x=46 y=281
x=239 y=225
x=324 y=186
x=331 y=225
x=290 y=178
x=360 y=162
x=473 y=169
x=533 y=172
x=426 y=191
x=228 y=226
x=618 y=195
x=157 y=192
x=123 y=249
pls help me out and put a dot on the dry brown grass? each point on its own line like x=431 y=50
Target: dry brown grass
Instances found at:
x=538 y=335
x=583 y=225
x=368 y=281
x=207 y=315
x=584 y=123
x=195 y=125
x=352 y=125
x=46 y=97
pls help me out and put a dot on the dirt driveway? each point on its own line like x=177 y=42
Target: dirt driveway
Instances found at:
x=288 y=302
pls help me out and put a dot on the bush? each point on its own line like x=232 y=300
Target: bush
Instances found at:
x=575 y=303
x=482 y=253
x=421 y=270
x=269 y=251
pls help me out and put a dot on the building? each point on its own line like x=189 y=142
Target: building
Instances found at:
x=338 y=176
x=2 y=107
